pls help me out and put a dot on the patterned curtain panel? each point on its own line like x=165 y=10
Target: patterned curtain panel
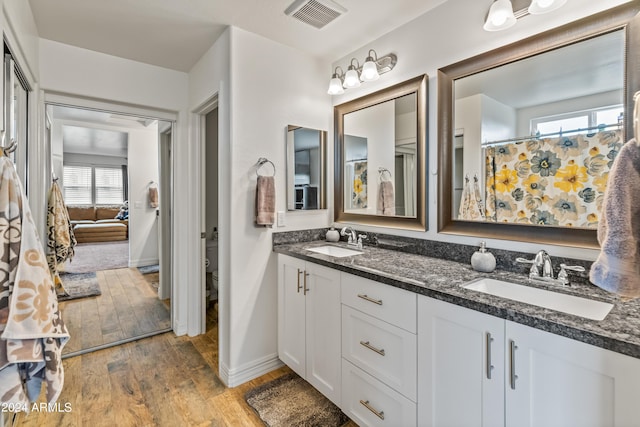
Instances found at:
x=552 y=181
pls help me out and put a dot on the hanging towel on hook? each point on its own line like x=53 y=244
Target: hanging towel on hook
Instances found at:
x=153 y=195
x=470 y=206
x=61 y=240
x=386 y=200
x=32 y=333
x=617 y=268
x=265 y=201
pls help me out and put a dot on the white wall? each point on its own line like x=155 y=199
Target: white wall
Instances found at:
x=445 y=35
x=143 y=169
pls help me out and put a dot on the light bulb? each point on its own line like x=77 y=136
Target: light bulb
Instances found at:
x=545 y=3
x=543 y=6
x=351 y=79
x=335 y=86
x=499 y=18
x=369 y=71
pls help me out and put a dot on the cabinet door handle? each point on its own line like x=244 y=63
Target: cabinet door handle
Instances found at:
x=367 y=298
x=305 y=283
x=512 y=353
x=372 y=348
x=489 y=365
x=379 y=414
x=299 y=286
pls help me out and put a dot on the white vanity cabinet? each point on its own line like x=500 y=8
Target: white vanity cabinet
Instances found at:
x=461 y=369
x=556 y=381
x=379 y=353
x=538 y=379
x=309 y=324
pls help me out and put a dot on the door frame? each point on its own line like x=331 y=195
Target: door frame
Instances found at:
x=50 y=98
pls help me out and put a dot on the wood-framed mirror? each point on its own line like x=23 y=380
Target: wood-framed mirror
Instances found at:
x=381 y=157
x=510 y=153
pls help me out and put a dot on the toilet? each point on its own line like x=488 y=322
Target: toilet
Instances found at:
x=212 y=266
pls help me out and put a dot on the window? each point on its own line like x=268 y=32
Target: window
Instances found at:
x=77 y=185
x=108 y=186
x=93 y=185
x=578 y=120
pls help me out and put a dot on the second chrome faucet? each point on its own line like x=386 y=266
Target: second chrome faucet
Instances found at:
x=542 y=269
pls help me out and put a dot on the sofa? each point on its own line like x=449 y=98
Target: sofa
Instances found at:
x=97 y=224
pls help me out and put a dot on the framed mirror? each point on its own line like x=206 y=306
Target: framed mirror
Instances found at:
x=306 y=168
x=380 y=157
x=527 y=133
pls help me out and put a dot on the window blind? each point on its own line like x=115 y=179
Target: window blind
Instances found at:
x=109 y=188
x=77 y=185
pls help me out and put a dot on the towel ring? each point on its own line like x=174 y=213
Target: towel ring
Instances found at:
x=381 y=171
x=261 y=162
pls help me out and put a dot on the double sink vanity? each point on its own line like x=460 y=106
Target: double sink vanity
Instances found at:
x=403 y=339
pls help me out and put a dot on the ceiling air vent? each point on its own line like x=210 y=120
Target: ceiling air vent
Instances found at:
x=316 y=13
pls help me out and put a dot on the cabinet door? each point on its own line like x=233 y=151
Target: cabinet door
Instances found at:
x=291 y=313
x=456 y=347
x=323 y=330
x=556 y=381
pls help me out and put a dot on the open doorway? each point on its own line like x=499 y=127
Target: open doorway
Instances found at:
x=114 y=171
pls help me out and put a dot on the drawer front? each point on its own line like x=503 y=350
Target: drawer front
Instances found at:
x=385 y=351
x=393 y=305
x=368 y=402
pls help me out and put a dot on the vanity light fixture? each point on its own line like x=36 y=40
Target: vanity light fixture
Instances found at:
x=502 y=16
x=356 y=74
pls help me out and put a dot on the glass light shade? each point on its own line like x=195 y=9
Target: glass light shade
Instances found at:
x=538 y=7
x=500 y=16
x=335 y=87
x=369 y=71
x=351 y=79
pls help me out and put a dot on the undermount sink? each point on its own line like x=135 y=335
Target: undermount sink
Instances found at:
x=335 y=251
x=590 y=309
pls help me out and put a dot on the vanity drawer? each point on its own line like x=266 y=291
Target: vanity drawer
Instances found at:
x=385 y=351
x=393 y=305
x=368 y=402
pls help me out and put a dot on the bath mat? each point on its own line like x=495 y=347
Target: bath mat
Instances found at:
x=79 y=285
x=148 y=269
x=291 y=401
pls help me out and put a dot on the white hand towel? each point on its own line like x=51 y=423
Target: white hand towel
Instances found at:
x=617 y=268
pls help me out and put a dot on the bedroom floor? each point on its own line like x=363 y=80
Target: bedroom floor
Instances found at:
x=128 y=307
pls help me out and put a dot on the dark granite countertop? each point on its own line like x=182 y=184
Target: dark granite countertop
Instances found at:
x=441 y=279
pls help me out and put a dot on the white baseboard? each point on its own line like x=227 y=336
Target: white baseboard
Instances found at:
x=237 y=376
x=143 y=262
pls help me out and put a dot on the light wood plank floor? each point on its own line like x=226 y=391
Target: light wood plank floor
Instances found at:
x=128 y=307
x=159 y=381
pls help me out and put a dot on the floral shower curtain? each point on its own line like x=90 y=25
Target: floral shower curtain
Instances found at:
x=552 y=181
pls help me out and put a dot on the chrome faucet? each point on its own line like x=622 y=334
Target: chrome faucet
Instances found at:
x=354 y=238
x=542 y=269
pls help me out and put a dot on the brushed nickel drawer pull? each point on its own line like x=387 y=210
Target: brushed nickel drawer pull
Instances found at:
x=305 y=282
x=514 y=377
x=489 y=365
x=379 y=414
x=367 y=298
x=372 y=348
x=299 y=286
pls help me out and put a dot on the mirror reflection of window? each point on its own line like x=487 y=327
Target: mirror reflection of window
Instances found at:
x=541 y=138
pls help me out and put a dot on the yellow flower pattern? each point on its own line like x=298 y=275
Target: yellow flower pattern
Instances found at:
x=551 y=181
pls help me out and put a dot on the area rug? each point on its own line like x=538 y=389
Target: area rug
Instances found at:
x=291 y=401
x=98 y=256
x=79 y=285
x=149 y=269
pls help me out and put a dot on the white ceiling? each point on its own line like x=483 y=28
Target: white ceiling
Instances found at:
x=176 y=33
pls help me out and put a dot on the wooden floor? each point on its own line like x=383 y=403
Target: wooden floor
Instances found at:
x=159 y=381
x=128 y=307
